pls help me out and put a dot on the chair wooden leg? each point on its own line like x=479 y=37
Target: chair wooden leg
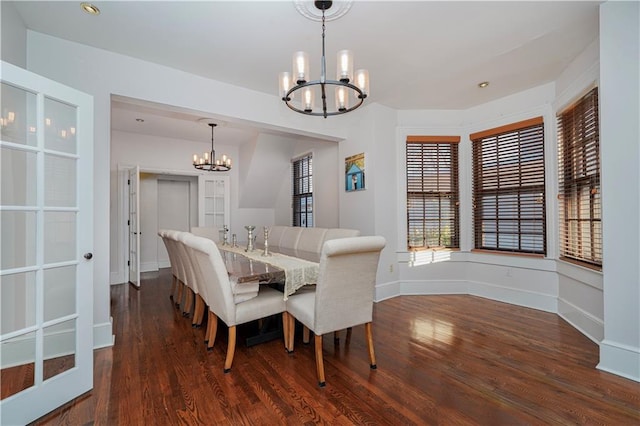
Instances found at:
x=213 y=330
x=319 y=361
x=198 y=312
x=372 y=355
x=231 y=349
x=178 y=299
x=305 y=334
x=291 y=331
x=174 y=287
x=285 y=329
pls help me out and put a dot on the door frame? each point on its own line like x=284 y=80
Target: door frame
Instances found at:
x=123 y=213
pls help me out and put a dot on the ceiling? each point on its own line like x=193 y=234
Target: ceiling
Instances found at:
x=420 y=54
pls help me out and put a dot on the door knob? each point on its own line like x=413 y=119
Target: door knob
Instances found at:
x=88 y=256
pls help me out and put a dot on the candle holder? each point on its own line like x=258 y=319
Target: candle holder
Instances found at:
x=250 y=237
x=234 y=241
x=225 y=235
x=265 y=252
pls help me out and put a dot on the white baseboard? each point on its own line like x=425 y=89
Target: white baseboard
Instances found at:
x=386 y=291
x=515 y=296
x=116 y=278
x=148 y=266
x=581 y=320
x=621 y=360
x=103 y=336
x=529 y=299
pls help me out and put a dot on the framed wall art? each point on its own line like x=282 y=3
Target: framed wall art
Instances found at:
x=354 y=173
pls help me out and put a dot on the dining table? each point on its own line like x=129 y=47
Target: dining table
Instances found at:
x=279 y=268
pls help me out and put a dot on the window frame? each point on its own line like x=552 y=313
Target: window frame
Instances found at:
x=579 y=182
x=302 y=191
x=427 y=194
x=515 y=183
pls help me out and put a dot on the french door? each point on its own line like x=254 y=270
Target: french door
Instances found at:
x=46 y=221
x=134 y=226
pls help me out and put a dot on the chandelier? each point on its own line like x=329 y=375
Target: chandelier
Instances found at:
x=344 y=87
x=208 y=161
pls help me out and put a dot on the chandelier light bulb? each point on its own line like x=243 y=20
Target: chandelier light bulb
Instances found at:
x=362 y=81
x=342 y=99
x=286 y=83
x=345 y=66
x=301 y=66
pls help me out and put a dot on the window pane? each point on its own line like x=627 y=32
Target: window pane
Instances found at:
x=60 y=181
x=579 y=181
x=59 y=236
x=18 y=120
x=18 y=299
x=60 y=126
x=18 y=177
x=432 y=194
x=508 y=187
x=302 y=189
x=18 y=239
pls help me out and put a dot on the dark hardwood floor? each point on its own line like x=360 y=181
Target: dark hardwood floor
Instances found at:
x=442 y=360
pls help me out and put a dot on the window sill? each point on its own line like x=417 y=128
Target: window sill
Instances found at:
x=425 y=256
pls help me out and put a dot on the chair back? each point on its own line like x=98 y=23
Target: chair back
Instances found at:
x=172 y=239
x=162 y=233
x=311 y=240
x=210 y=232
x=275 y=235
x=334 y=233
x=216 y=279
x=189 y=242
x=187 y=262
x=346 y=282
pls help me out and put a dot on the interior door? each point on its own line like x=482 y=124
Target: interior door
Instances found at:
x=134 y=226
x=46 y=221
x=213 y=201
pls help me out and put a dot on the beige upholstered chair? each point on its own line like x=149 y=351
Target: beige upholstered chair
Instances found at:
x=275 y=235
x=162 y=233
x=209 y=232
x=335 y=233
x=344 y=294
x=290 y=238
x=172 y=245
x=190 y=279
x=311 y=240
x=220 y=298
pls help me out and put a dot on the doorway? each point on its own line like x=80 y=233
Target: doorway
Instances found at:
x=166 y=201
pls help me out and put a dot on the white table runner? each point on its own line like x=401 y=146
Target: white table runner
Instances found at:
x=298 y=272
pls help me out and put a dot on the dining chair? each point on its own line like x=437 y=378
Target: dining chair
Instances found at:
x=220 y=298
x=162 y=233
x=210 y=232
x=343 y=295
x=172 y=241
x=191 y=281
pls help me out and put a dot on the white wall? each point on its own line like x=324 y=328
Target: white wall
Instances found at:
x=620 y=156
x=13 y=47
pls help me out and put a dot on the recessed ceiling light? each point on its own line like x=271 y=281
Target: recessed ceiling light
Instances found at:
x=90 y=8
x=483 y=84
